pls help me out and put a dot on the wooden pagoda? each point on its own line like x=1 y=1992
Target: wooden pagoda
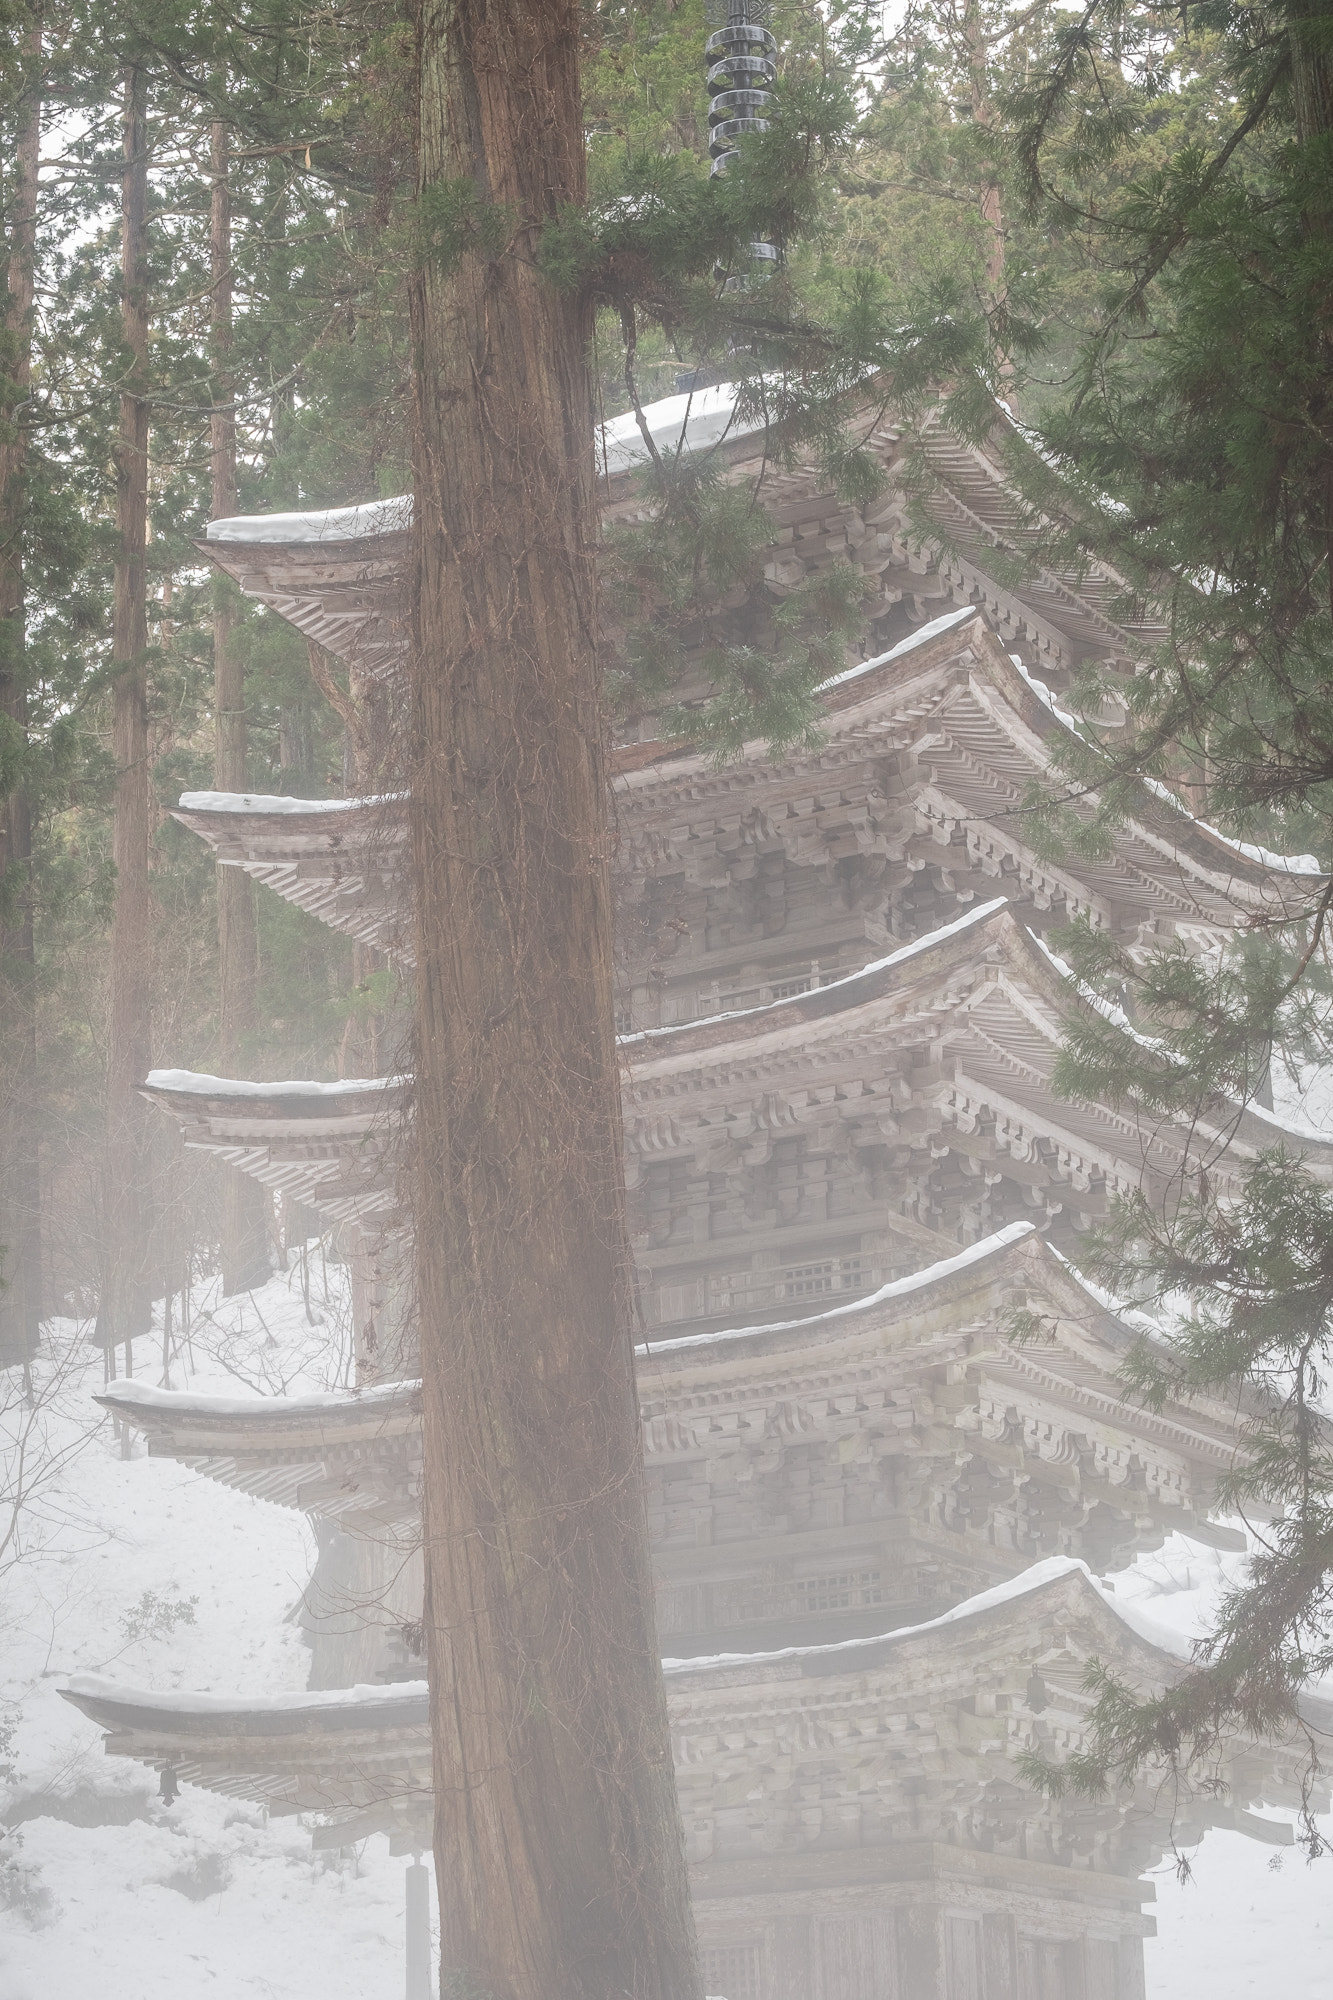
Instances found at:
x=878 y=1517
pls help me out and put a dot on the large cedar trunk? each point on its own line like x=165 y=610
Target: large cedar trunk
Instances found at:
x=245 y=1258
x=20 y=1180
x=558 y=1847
x=125 y=1285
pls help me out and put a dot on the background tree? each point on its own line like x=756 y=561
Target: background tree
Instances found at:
x=20 y=1177
x=1189 y=445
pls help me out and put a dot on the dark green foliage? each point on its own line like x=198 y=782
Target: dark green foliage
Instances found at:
x=1188 y=445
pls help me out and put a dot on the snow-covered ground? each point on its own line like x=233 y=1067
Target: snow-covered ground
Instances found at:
x=145 y=1570
x=127 y=1898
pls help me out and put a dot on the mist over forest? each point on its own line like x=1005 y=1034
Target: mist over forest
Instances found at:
x=666 y=1160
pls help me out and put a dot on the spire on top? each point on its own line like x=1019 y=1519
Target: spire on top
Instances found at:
x=742 y=69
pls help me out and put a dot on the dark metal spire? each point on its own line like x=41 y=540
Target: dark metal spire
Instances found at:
x=742 y=68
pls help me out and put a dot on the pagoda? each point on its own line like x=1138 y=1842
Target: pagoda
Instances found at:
x=880 y=1519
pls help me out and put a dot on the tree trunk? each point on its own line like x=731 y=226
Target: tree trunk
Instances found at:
x=20 y=1178
x=558 y=1846
x=983 y=117
x=245 y=1259
x=126 y=1292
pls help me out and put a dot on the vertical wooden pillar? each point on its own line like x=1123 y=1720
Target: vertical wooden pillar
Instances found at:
x=418 y=1930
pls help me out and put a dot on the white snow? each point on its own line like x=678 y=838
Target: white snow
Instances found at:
x=897 y=1288
x=920 y=637
x=210 y=1895
x=773 y=1007
x=207 y=1895
x=1289 y=864
x=278 y=802
x=330 y=524
x=196 y=1083
x=143 y=1396
x=687 y=423
x=187 y=1701
x=693 y=422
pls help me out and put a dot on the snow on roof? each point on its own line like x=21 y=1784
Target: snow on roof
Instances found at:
x=1290 y=864
x=195 y=1083
x=1039 y=1577
x=773 y=1007
x=331 y=524
x=184 y=1402
x=1119 y=1019
x=897 y=1288
x=379 y=1695
x=410 y=1695
x=693 y=422
x=1263 y=857
x=272 y=802
x=920 y=637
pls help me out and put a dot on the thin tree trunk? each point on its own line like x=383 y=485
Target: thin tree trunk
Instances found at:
x=126 y=1281
x=20 y=1175
x=557 y=1840
x=983 y=117
x=245 y=1260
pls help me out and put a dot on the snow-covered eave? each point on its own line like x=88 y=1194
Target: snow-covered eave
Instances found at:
x=828 y=999
x=1260 y=862
x=698 y=421
x=990 y=1248
x=369 y=521
x=292 y=1098
x=232 y=805
x=404 y=1704
x=1225 y=1118
x=642 y=763
x=849 y=1655
x=397 y=1705
x=163 y=1406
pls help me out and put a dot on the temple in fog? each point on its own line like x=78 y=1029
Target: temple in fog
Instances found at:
x=885 y=1529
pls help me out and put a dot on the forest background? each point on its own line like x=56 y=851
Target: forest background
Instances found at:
x=312 y=107
x=209 y=220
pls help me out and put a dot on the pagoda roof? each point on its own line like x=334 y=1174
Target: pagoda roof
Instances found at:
x=972 y=733
x=895 y=1717
x=956 y=1033
x=340 y=859
x=338 y=1455
x=333 y=1145
x=952 y=1038
x=339 y=574
x=975 y=733
x=850 y=1368
x=953 y=1313
x=1078 y=611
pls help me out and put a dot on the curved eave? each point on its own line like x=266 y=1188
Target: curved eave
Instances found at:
x=991 y=933
x=404 y=1707
x=1073 y=1369
x=361 y=1105
x=893 y=687
x=183 y=1422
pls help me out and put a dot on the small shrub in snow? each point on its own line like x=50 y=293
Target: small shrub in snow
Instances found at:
x=155 y=1617
x=22 y=1891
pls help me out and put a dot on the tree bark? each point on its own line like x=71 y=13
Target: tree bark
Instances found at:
x=125 y=1291
x=558 y=1845
x=977 y=47
x=20 y=1165
x=245 y=1252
